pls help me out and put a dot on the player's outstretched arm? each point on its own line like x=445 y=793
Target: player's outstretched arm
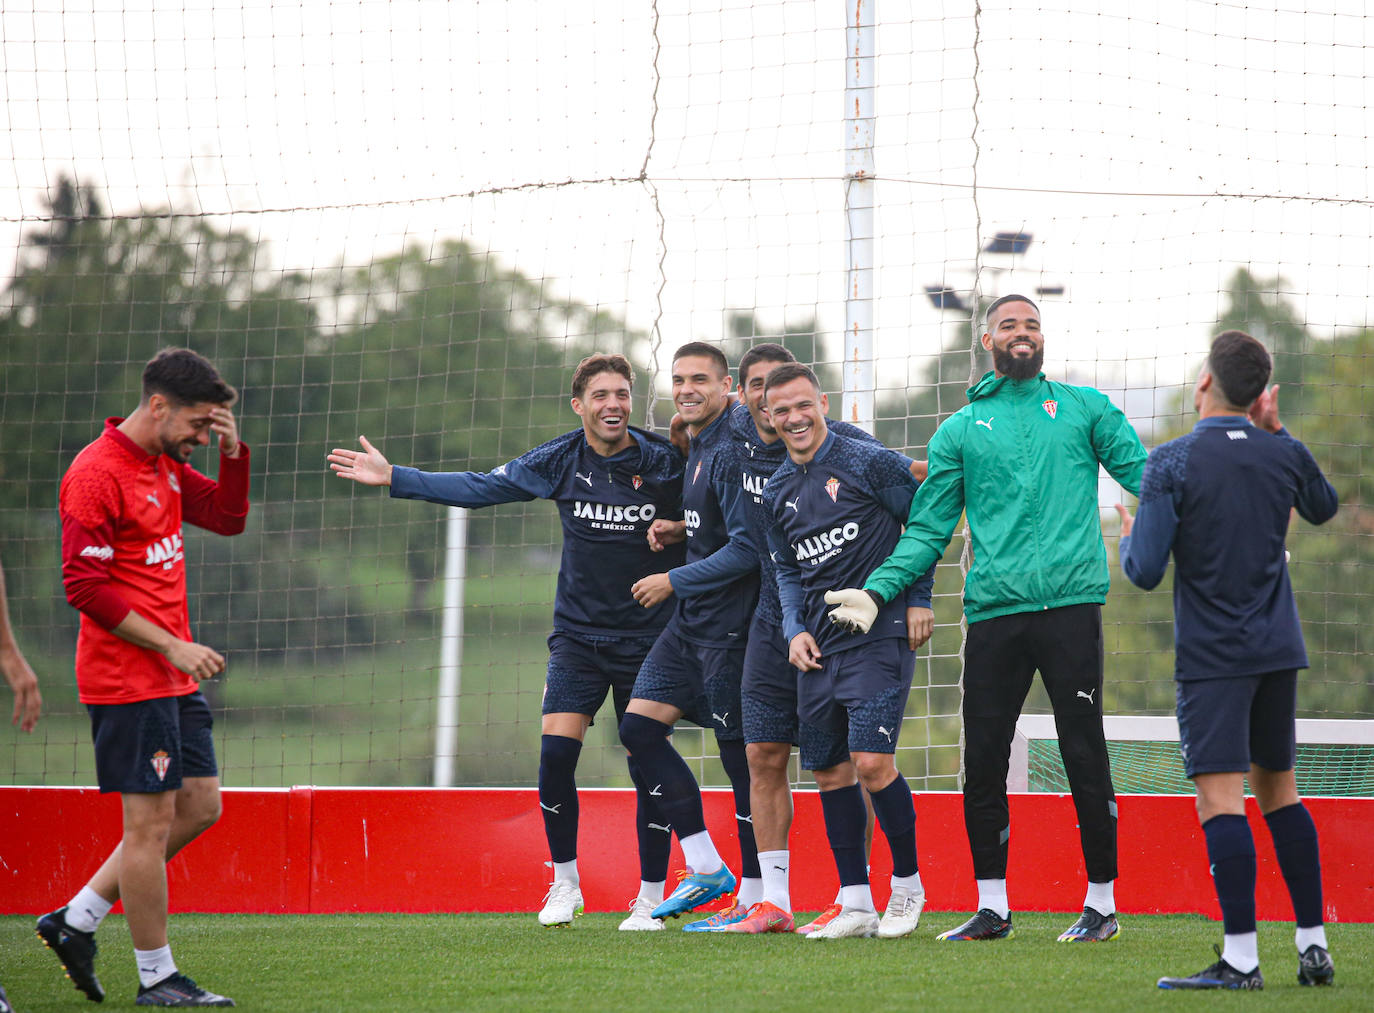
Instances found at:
x=857 y=608
x=366 y=468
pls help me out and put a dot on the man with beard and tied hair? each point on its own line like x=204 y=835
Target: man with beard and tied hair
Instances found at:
x=611 y=481
x=1022 y=458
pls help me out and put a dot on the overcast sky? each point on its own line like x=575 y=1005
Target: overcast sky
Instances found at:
x=1151 y=148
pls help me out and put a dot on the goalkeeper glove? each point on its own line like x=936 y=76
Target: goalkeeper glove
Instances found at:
x=857 y=608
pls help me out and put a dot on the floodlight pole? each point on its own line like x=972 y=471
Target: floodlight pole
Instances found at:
x=451 y=647
x=857 y=370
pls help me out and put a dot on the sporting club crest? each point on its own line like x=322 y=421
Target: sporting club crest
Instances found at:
x=636 y=481
x=161 y=763
x=832 y=486
x=696 y=473
x=1051 y=408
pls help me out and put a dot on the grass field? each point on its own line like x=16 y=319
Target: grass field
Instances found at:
x=495 y=962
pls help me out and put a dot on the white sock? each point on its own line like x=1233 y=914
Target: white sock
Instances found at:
x=992 y=894
x=1241 y=951
x=700 y=853
x=87 y=910
x=1101 y=898
x=749 y=892
x=566 y=872
x=652 y=892
x=1313 y=935
x=857 y=898
x=776 y=886
x=154 y=965
x=912 y=883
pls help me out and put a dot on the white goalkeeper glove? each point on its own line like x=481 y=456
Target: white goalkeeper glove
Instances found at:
x=857 y=608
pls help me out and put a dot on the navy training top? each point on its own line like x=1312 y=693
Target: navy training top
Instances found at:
x=758 y=462
x=1219 y=498
x=606 y=505
x=719 y=585
x=834 y=520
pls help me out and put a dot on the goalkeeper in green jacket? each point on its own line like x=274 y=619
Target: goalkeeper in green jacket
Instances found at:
x=1022 y=458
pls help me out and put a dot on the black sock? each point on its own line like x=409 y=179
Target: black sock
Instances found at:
x=736 y=764
x=667 y=775
x=1231 y=850
x=1295 y=843
x=846 y=818
x=558 y=794
x=896 y=814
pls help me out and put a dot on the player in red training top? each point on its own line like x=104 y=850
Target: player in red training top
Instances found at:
x=122 y=504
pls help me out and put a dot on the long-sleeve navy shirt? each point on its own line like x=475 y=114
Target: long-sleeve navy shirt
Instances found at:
x=834 y=520
x=758 y=462
x=1219 y=499
x=718 y=586
x=606 y=505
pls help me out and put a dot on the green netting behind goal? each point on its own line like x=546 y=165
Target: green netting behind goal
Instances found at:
x=1155 y=768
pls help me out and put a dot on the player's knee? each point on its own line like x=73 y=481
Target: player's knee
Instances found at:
x=875 y=770
x=638 y=732
x=768 y=760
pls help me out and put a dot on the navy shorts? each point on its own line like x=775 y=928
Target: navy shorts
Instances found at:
x=702 y=682
x=768 y=687
x=148 y=747
x=855 y=702
x=1224 y=725
x=582 y=669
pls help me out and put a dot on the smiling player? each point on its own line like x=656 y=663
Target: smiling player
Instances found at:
x=610 y=481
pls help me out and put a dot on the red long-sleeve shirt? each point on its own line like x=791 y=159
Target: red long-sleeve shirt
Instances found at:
x=122 y=510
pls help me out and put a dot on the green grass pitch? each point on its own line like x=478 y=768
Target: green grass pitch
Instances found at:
x=507 y=962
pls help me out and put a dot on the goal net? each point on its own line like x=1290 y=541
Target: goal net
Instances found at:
x=410 y=220
x=1334 y=757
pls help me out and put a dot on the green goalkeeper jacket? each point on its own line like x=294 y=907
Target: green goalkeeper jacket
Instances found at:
x=1022 y=458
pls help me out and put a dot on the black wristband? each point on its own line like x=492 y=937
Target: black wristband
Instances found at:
x=877 y=598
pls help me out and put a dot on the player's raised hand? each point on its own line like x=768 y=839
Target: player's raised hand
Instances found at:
x=804 y=653
x=367 y=468
x=1265 y=411
x=222 y=424
x=663 y=533
x=857 y=609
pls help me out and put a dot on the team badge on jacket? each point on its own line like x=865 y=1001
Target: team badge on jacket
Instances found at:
x=832 y=486
x=696 y=473
x=636 y=481
x=161 y=763
x=1051 y=407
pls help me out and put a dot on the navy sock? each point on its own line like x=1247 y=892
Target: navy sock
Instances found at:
x=1295 y=843
x=897 y=816
x=669 y=778
x=736 y=764
x=1231 y=850
x=846 y=818
x=652 y=828
x=558 y=794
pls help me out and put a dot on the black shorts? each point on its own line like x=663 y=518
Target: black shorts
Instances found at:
x=147 y=747
x=702 y=682
x=1224 y=725
x=582 y=669
x=855 y=703
x=768 y=687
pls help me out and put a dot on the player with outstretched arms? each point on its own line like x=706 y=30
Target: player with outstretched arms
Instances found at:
x=837 y=506
x=610 y=481
x=1219 y=499
x=1023 y=458
x=122 y=504
x=695 y=667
